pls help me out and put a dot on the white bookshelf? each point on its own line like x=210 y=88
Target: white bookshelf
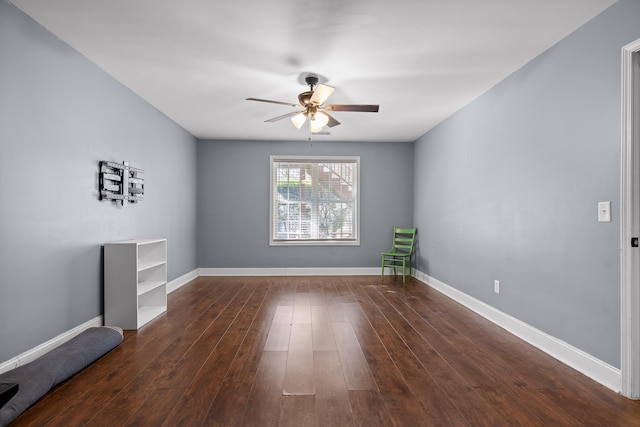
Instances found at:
x=135 y=282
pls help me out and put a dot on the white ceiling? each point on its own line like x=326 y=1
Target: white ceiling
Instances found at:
x=421 y=60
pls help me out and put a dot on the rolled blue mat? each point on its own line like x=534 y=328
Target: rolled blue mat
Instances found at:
x=36 y=378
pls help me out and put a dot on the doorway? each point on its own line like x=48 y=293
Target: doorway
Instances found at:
x=630 y=223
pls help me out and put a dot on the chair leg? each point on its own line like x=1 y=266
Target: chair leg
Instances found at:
x=403 y=269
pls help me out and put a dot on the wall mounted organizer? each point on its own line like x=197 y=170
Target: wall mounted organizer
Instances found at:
x=120 y=182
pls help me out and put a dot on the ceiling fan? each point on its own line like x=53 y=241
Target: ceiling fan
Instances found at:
x=311 y=106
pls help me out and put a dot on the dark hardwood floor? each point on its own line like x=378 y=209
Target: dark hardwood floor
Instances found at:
x=325 y=351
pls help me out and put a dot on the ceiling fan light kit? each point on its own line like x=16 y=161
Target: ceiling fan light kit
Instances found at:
x=318 y=121
x=312 y=103
x=299 y=119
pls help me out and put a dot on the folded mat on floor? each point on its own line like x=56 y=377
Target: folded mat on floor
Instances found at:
x=36 y=378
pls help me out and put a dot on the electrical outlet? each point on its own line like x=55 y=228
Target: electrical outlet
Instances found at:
x=496 y=286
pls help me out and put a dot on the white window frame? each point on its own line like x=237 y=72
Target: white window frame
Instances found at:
x=273 y=241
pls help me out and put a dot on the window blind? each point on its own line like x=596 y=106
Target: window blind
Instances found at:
x=314 y=200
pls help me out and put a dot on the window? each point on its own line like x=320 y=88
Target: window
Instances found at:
x=314 y=200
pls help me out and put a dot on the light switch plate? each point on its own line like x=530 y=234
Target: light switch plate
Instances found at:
x=604 y=211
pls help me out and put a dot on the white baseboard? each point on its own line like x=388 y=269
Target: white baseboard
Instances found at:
x=34 y=353
x=583 y=362
x=291 y=271
x=182 y=280
x=588 y=365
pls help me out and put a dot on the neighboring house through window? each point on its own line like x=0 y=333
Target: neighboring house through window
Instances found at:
x=314 y=200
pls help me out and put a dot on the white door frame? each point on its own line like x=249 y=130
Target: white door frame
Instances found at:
x=630 y=223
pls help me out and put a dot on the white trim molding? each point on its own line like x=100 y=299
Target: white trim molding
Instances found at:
x=35 y=352
x=629 y=226
x=292 y=271
x=182 y=280
x=571 y=356
x=588 y=365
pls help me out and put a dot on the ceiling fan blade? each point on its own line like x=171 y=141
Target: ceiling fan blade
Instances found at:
x=367 y=108
x=332 y=122
x=272 y=102
x=321 y=93
x=284 y=116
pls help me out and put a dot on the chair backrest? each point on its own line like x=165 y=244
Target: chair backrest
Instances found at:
x=403 y=239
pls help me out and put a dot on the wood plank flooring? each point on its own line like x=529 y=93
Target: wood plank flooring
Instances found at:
x=325 y=351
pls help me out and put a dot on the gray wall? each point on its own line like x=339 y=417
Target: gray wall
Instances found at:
x=233 y=203
x=59 y=116
x=508 y=187
x=505 y=189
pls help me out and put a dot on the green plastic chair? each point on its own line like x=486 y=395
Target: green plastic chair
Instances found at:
x=401 y=252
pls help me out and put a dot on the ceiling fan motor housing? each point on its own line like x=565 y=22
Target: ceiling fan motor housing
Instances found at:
x=305 y=98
